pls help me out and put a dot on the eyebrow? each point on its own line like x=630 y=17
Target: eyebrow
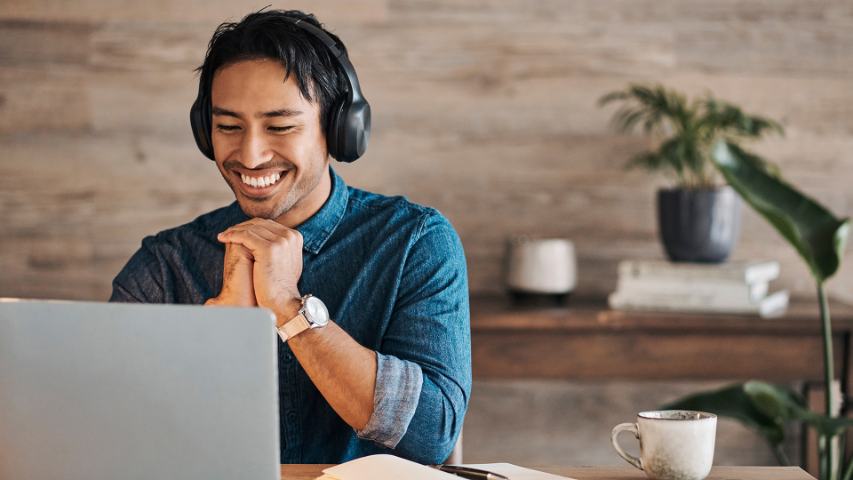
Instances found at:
x=282 y=112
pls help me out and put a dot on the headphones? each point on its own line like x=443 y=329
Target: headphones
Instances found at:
x=348 y=130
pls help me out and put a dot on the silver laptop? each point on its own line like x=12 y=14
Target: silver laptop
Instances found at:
x=126 y=391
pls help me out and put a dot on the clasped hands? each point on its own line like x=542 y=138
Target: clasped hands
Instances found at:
x=263 y=263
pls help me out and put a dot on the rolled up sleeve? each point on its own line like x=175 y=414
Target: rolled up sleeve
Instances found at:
x=398 y=382
x=424 y=362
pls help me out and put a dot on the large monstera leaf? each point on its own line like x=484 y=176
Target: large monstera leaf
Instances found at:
x=817 y=235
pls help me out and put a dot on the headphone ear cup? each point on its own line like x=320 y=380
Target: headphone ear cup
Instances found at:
x=200 y=125
x=352 y=129
x=333 y=134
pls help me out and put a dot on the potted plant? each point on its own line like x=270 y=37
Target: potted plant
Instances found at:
x=698 y=218
x=819 y=237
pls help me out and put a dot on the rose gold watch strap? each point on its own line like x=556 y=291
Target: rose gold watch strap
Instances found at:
x=293 y=327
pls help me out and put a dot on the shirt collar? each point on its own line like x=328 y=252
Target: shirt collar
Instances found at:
x=317 y=229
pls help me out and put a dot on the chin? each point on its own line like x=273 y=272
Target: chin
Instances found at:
x=271 y=207
x=262 y=209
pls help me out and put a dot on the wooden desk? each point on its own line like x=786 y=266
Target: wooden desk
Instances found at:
x=309 y=472
x=588 y=341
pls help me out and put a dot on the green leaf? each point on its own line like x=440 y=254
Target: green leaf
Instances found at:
x=762 y=407
x=817 y=235
x=625 y=119
x=612 y=97
x=723 y=116
x=830 y=426
x=785 y=405
x=689 y=126
x=772 y=401
x=647 y=160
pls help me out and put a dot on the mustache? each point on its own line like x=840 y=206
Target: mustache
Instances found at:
x=231 y=164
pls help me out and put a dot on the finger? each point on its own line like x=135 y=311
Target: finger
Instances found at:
x=248 y=238
x=225 y=235
x=248 y=222
x=236 y=252
x=278 y=229
x=263 y=233
x=274 y=226
x=232 y=266
x=270 y=230
x=271 y=233
x=271 y=225
x=243 y=227
x=256 y=221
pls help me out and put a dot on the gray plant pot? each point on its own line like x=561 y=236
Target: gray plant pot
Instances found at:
x=699 y=225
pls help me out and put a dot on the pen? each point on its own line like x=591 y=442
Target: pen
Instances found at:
x=472 y=473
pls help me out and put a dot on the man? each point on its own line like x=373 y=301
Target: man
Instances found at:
x=391 y=371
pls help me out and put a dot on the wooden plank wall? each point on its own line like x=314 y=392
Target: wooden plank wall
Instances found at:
x=483 y=109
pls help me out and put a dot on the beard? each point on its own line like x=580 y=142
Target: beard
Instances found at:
x=270 y=207
x=288 y=193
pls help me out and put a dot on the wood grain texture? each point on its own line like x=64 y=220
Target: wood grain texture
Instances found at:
x=637 y=356
x=591 y=342
x=485 y=110
x=500 y=314
x=184 y=11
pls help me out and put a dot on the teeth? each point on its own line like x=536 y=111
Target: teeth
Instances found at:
x=260 y=182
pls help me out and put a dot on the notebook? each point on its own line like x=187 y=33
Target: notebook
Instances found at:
x=389 y=467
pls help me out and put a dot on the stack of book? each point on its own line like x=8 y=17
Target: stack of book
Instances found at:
x=734 y=287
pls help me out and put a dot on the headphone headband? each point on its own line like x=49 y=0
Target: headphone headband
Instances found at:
x=338 y=53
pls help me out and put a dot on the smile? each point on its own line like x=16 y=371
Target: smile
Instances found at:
x=260 y=181
x=260 y=185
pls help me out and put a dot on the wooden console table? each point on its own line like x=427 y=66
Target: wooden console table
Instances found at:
x=310 y=472
x=588 y=341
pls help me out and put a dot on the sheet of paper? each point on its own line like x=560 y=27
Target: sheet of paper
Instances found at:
x=389 y=467
x=514 y=472
x=385 y=467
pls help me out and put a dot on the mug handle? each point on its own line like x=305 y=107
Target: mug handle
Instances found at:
x=626 y=427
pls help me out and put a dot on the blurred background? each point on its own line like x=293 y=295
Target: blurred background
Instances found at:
x=485 y=110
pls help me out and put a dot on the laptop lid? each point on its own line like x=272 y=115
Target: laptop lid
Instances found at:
x=110 y=390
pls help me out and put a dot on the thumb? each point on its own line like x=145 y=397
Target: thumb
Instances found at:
x=238 y=263
x=236 y=253
x=237 y=282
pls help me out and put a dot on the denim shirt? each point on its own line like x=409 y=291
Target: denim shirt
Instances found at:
x=393 y=276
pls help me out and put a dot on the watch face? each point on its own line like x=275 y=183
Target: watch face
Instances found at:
x=316 y=312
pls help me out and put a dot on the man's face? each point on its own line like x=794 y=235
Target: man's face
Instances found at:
x=267 y=139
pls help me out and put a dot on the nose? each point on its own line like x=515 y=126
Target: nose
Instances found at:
x=254 y=150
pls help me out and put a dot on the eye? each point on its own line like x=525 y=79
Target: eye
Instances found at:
x=280 y=129
x=227 y=128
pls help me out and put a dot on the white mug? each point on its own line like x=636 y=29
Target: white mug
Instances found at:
x=674 y=444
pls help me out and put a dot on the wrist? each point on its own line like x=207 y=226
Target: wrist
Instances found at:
x=310 y=314
x=287 y=308
x=227 y=299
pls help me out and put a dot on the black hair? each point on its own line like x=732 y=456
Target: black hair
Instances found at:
x=266 y=34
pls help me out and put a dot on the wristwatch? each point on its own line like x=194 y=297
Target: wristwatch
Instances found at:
x=312 y=314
